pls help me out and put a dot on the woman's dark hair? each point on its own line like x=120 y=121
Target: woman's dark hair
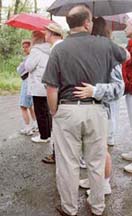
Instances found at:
x=100 y=27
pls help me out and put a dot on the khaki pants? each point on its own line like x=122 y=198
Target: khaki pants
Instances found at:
x=74 y=126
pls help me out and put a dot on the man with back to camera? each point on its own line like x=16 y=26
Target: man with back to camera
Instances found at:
x=74 y=121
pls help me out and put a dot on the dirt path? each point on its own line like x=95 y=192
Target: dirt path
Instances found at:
x=28 y=188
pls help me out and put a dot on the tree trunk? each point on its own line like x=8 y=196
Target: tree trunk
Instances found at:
x=0 y=12
x=9 y=13
x=35 y=6
x=23 y=6
x=16 y=6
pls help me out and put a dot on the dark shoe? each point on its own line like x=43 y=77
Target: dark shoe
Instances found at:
x=50 y=159
x=59 y=209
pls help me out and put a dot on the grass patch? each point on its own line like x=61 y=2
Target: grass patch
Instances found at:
x=10 y=81
x=10 y=85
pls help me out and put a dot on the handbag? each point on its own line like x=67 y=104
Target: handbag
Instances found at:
x=24 y=76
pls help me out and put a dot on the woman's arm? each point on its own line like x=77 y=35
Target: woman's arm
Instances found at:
x=102 y=91
x=32 y=60
x=21 y=68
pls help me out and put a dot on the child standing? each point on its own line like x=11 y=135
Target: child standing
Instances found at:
x=26 y=102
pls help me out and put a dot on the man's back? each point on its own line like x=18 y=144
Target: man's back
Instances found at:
x=82 y=58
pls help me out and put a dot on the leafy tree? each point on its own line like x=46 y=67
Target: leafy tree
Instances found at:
x=35 y=6
x=10 y=41
x=23 y=6
x=16 y=6
x=0 y=11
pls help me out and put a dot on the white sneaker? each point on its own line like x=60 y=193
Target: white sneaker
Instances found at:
x=128 y=168
x=37 y=139
x=88 y=192
x=82 y=163
x=35 y=126
x=127 y=156
x=35 y=129
x=110 y=141
x=27 y=132
x=84 y=183
x=107 y=188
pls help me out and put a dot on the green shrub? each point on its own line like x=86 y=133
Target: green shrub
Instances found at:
x=10 y=41
x=10 y=85
x=8 y=66
x=9 y=79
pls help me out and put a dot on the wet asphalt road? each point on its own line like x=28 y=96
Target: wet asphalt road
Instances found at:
x=27 y=186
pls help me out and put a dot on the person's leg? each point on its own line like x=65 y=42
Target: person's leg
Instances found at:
x=34 y=121
x=129 y=107
x=32 y=113
x=27 y=130
x=67 y=137
x=50 y=158
x=84 y=183
x=113 y=122
x=25 y=104
x=108 y=165
x=110 y=139
x=43 y=116
x=108 y=170
x=95 y=140
x=128 y=156
x=25 y=115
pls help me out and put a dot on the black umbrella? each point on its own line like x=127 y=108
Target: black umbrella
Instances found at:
x=98 y=7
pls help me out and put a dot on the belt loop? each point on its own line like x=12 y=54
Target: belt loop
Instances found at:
x=78 y=102
x=93 y=102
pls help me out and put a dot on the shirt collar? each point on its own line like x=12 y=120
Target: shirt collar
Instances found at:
x=57 y=42
x=79 y=34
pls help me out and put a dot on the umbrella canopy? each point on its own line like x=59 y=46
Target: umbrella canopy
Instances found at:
x=27 y=21
x=117 y=22
x=98 y=7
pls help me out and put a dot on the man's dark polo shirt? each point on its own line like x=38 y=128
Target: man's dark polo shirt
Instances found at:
x=81 y=58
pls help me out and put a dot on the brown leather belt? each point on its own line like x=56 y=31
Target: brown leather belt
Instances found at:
x=79 y=102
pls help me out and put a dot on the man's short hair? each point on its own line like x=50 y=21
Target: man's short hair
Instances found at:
x=76 y=19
